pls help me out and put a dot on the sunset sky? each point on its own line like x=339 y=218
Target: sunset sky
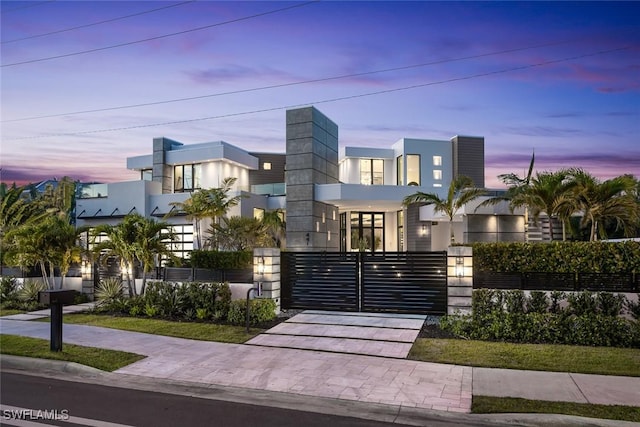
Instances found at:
x=560 y=78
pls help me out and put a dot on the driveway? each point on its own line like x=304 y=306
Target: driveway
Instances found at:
x=371 y=334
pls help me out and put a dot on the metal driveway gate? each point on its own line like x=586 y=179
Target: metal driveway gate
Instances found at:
x=319 y=280
x=395 y=282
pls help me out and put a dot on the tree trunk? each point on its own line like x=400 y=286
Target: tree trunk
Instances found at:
x=144 y=279
x=52 y=277
x=43 y=271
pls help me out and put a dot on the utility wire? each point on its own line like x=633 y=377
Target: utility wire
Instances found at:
x=96 y=23
x=276 y=86
x=244 y=18
x=28 y=6
x=342 y=98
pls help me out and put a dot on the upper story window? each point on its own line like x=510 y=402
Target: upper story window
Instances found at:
x=437 y=174
x=437 y=160
x=399 y=170
x=266 y=166
x=371 y=171
x=413 y=169
x=146 y=174
x=186 y=177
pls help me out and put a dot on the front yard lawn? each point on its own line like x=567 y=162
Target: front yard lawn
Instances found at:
x=536 y=357
x=106 y=360
x=190 y=330
x=492 y=405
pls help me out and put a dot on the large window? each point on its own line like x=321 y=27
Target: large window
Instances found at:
x=182 y=243
x=399 y=170
x=413 y=169
x=371 y=171
x=186 y=177
x=367 y=231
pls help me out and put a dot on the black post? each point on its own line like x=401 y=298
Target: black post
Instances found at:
x=247 y=313
x=56 y=326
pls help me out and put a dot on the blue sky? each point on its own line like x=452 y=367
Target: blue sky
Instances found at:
x=560 y=78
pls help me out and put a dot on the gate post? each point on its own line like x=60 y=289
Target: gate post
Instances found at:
x=266 y=273
x=459 y=279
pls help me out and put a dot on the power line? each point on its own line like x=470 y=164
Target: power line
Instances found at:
x=96 y=23
x=276 y=86
x=244 y=18
x=28 y=6
x=342 y=98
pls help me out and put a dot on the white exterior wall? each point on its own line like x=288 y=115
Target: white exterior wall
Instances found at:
x=350 y=171
x=213 y=173
x=427 y=149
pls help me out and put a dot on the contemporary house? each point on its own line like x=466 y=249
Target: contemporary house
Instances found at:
x=334 y=198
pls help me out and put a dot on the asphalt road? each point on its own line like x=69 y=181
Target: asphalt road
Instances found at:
x=99 y=405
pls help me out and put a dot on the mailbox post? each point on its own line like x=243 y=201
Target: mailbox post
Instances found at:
x=56 y=299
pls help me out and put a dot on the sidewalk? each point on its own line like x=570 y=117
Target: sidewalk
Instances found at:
x=377 y=380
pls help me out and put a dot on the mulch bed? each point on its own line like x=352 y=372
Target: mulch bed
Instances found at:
x=434 y=331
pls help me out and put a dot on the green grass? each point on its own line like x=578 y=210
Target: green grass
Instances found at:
x=190 y=330
x=493 y=405
x=106 y=360
x=10 y=311
x=535 y=357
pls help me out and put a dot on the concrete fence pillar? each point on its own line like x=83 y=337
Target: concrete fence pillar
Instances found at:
x=266 y=273
x=459 y=279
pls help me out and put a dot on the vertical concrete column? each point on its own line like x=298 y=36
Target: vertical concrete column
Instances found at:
x=266 y=273
x=459 y=279
x=311 y=158
x=162 y=172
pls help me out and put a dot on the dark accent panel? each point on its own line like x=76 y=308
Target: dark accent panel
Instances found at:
x=612 y=282
x=176 y=274
x=415 y=240
x=404 y=282
x=319 y=280
x=273 y=176
x=595 y=282
x=468 y=158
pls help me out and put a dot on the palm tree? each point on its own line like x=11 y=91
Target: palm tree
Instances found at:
x=23 y=247
x=238 y=233
x=135 y=240
x=612 y=201
x=461 y=191
x=153 y=242
x=208 y=203
x=548 y=193
x=120 y=243
x=64 y=246
x=275 y=225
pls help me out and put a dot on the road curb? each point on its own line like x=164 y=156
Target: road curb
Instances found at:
x=21 y=363
x=349 y=408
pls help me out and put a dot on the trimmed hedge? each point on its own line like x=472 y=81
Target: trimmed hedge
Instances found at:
x=217 y=260
x=260 y=311
x=585 y=318
x=558 y=257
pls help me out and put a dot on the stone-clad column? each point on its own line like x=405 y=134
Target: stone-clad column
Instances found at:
x=459 y=279
x=312 y=158
x=266 y=273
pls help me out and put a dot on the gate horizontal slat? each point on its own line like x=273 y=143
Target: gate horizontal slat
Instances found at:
x=320 y=281
x=405 y=282
x=397 y=282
